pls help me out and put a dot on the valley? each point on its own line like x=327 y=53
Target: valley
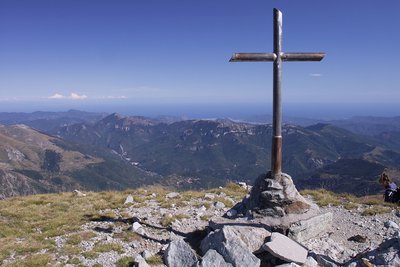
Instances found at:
x=101 y=152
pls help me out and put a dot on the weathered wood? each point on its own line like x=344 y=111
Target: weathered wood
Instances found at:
x=302 y=56
x=241 y=57
x=277 y=57
x=276 y=152
x=259 y=57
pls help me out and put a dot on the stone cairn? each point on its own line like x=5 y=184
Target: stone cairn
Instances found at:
x=274 y=197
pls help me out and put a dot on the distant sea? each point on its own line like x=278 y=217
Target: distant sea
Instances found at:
x=214 y=110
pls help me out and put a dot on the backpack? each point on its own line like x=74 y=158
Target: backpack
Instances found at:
x=391 y=195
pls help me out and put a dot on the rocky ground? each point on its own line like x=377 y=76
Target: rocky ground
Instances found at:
x=351 y=233
x=141 y=230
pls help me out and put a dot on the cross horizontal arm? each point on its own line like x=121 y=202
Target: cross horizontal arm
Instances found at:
x=240 y=57
x=302 y=56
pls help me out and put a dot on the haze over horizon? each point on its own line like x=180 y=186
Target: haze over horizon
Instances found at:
x=171 y=58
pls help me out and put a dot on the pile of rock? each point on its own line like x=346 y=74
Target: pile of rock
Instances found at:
x=235 y=246
x=275 y=197
x=240 y=246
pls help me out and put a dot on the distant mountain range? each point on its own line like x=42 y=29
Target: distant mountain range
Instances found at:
x=49 y=121
x=33 y=162
x=120 y=152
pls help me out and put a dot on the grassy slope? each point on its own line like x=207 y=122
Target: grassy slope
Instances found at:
x=29 y=225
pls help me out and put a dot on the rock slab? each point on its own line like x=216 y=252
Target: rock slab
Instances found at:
x=307 y=229
x=214 y=259
x=286 y=249
x=226 y=242
x=129 y=199
x=179 y=254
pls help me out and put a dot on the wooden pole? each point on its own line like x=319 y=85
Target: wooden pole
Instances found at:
x=276 y=156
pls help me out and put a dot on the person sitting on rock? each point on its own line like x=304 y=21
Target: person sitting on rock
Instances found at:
x=392 y=194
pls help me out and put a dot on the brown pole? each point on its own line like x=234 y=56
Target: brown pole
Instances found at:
x=276 y=155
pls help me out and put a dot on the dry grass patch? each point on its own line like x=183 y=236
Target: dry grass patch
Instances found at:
x=175 y=202
x=107 y=247
x=155 y=260
x=376 y=200
x=350 y=206
x=160 y=191
x=232 y=190
x=125 y=262
x=376 y=210
x=323 y=197
x=128 y=236
x=205 y=217
x=90 y=254
x=377 y=206
x=228 y=203
x=37 y=260
x=207 y=205
x=75 y=261
x=71 y=250
x=28 y=223
x=167 y=220
x=191 y=195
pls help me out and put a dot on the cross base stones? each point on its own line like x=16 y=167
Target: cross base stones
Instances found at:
x=275 y=197
x=276 y=204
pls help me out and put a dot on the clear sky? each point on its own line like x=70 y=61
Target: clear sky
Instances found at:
x=74 y=53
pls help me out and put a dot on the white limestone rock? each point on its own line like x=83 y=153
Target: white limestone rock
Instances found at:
x=179 y=254
x=286 y=249
x=391 y=224
x=129 y=199
x=140 y=262
x=172 y=195
x=227 y=243
x=307 y=229
x=213 y=259
x=79 y=193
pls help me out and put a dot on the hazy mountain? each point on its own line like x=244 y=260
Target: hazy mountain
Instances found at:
x=33 y=162
x=131 y=151
x=369 y=125
x=213 y=151
x=49 y=121
x=365 y=125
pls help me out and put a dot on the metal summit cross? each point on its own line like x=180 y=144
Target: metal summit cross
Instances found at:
x=277 y=57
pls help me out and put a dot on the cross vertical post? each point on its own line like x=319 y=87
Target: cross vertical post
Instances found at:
x=277 y=57
x=276 y=153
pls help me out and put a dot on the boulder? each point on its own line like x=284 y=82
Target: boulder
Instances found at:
x=79 y=193
x=307 y=229
x=227 y=243
x=286 y=249
x=146 y=254
x=172 y=195
x=140 y=262
x=252 y=236
x=231 y=213
x=214 y=259
x=209 y=196
x=386 y=254
x=391 y=224
x=129 y=199
x=179 y=254
x=137 y=228
x=219 y=205
x=275 y=197
x=310 y=262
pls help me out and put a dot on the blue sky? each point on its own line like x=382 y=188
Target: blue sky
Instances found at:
x=79 y=54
